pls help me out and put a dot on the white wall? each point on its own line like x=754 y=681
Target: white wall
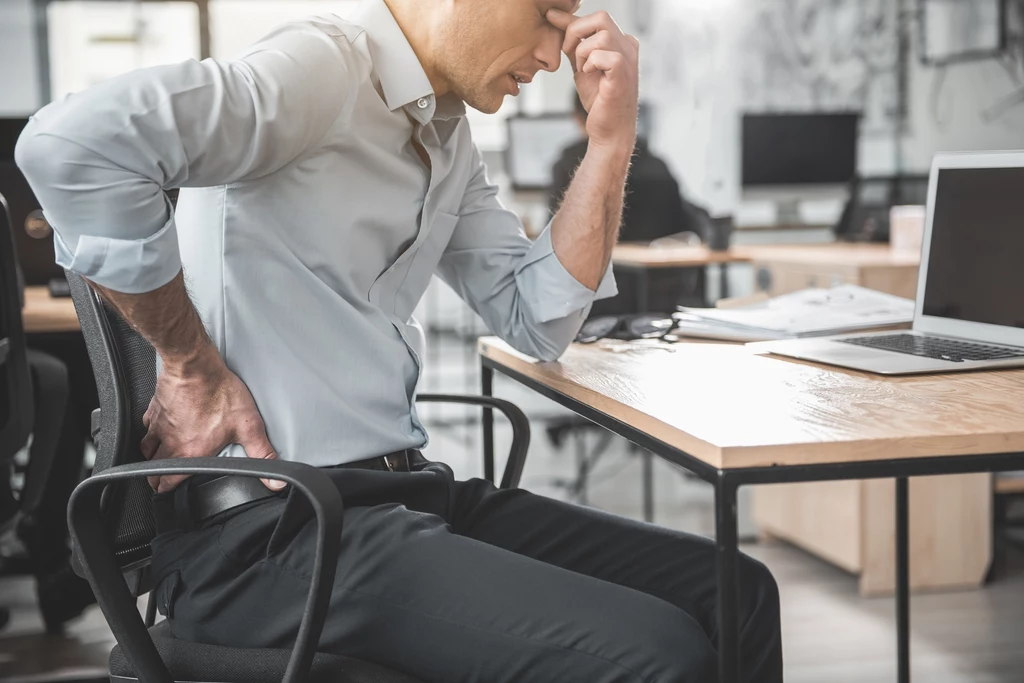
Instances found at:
x=970 y=106
x=19 y=81
x=707 y=62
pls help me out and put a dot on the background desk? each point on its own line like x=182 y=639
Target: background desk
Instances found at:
x=44 y=314
x=642 y=259
x=783 y=269
x=736 y=418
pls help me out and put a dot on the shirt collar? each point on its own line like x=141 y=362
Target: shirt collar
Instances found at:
x=402 y=78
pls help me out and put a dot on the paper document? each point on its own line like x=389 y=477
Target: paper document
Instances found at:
x=807 y=313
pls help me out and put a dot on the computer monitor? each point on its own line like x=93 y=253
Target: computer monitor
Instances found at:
x=10 y=130
x=35 y=256
x=788 y=158
x=535 y=144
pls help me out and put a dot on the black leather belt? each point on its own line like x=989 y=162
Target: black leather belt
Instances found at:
x=220 y=494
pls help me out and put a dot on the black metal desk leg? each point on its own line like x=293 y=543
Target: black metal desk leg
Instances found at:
x=728 y=581
x=723 y=280
x=487 y=387
x=902 y=583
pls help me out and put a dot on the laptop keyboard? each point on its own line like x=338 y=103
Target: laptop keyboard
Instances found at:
x=936 y=347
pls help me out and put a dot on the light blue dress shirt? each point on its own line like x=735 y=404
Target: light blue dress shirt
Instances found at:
x=308 y=227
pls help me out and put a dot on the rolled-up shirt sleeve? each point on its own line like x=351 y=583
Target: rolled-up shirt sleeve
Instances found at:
x=521 y=290
x=100 y=161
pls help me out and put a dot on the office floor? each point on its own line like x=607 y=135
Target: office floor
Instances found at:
x=830 y=632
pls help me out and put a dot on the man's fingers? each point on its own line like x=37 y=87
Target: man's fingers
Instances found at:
x=602 y=40
x=560 y=19
x=604 y=60
x=584 y=27
x=148 y=445
x=258 y=446
x=171 y=482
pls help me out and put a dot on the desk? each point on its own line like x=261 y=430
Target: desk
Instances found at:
x=43 y=313
x=784 y=269
x=641 y=259
x=857 y=534
x=800 y=422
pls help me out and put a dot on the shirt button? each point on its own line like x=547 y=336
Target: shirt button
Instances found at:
x=423 y=103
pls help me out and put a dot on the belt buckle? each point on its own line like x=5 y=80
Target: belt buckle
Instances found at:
x=387 y=462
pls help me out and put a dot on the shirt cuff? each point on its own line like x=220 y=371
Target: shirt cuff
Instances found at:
x=128 y=266
x=550 y=290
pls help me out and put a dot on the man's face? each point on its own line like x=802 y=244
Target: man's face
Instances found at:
x=491 y=47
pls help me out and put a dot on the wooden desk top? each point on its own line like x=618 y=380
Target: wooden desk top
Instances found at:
x=643 y=256
x=730 y=407
x=835 y=254
x=43 y=313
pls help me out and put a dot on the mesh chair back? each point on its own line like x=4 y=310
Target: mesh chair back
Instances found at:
x=125 y=368
x=15 y=382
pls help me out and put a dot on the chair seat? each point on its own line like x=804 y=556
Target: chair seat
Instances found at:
x=215 y=664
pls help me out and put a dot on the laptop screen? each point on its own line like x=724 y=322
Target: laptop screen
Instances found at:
x=975 y=270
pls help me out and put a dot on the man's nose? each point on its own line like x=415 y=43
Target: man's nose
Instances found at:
x=549 y=51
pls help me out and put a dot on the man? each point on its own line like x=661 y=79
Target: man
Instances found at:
x=654 y=205
x=328 y=173
x=654 y=208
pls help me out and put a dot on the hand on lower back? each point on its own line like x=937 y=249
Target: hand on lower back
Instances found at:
x=198 y=410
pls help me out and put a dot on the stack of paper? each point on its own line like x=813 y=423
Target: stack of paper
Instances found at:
x=807 y=313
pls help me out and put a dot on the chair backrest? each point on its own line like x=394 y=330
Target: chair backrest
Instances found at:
x=15 y=382
x=124 y=365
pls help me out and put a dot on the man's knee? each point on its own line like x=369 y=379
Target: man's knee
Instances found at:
x=670 y=647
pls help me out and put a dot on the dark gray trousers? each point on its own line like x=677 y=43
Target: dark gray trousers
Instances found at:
x=458 y=582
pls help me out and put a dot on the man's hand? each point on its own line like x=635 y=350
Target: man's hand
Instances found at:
x=606 y=63
x=199 y=406
x=197 y=410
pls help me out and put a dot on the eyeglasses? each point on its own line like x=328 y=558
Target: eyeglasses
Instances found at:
x=628 y=328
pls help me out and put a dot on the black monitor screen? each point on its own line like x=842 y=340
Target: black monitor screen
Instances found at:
x=799 y=149
x=10 y=129
x=974 y=267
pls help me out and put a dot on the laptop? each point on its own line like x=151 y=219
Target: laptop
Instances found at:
x=969 y=313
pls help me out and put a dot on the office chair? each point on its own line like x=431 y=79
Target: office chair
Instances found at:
x=865 y=216
x=111 y=524
x=15 y=381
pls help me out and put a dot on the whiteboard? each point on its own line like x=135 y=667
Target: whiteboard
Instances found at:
x=535 y=144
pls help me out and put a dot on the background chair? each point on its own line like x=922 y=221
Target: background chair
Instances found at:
x=111 y=525
x=15 y=383
x=15 y=380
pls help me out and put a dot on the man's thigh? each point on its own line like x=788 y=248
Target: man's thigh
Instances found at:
x=445 y=608
x=674 y=566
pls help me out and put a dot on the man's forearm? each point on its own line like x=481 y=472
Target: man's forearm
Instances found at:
x=586 y=228
x=167 y=319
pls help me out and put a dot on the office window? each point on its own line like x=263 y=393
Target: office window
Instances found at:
x=90 y=42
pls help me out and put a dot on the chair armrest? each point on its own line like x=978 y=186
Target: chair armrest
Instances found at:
x=101 y=569
x=520 y=430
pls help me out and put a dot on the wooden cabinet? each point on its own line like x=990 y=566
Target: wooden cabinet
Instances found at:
x=852 y=523
x=780 y=270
